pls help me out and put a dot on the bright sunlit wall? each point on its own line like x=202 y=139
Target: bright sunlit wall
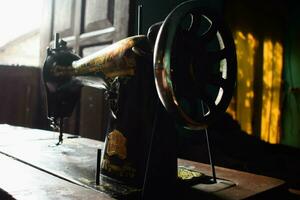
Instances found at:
x=272 y=63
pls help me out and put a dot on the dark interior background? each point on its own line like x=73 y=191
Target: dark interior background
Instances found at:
x=22 y=100
x=273 y=19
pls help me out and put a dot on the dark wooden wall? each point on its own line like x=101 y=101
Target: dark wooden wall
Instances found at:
x=21 y=100
x=23 y=103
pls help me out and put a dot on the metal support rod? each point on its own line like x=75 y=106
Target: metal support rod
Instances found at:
x=61 y=131
x=98 y=167
x=210 y=157
x=147 y=173
x=139 y=20
x=209 y=150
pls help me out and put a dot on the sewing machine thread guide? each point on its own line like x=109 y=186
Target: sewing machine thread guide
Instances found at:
x=139 y=19
x=56 y=40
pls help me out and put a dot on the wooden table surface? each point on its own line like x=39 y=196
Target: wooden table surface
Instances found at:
x=32 y=167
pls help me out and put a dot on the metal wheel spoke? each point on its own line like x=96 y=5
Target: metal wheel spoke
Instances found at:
x=210 y=33
x=217 y=55
x=194 y=111
x=196 y=23
x=218 y=81
x=191 y=41
x=208 y=100
x=196 y=44
x=208 y=59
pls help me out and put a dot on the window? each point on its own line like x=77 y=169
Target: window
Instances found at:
x=19 y=35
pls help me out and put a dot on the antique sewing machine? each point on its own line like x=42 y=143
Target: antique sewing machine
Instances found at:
x=181 y=74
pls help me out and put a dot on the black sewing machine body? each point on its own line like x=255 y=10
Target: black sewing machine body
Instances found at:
x=136 y=113
x=153 y=83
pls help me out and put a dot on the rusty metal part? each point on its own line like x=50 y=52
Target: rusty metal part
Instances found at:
x=188 y=174
x=116 y=60
x=116 y=144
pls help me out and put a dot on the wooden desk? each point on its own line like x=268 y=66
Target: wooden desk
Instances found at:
x=32 y=167
x=25 y=182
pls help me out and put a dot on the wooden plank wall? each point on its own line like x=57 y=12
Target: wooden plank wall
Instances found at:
x=21 y=101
